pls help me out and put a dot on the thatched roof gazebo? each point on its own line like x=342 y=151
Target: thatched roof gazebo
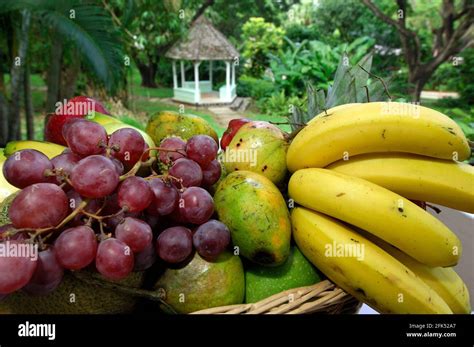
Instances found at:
x=203 y=43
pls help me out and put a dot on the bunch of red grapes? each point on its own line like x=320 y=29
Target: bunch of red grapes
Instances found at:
x=112 y=202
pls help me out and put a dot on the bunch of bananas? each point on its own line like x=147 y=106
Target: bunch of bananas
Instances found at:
x=355 y=167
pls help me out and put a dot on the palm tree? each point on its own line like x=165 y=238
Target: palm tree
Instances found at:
x=86 y=25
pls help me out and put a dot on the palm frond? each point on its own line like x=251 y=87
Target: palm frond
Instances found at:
x=88 y=26
x=92 y=31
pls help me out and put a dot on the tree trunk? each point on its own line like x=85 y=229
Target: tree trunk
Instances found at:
x=418 y=78
x=418 y=89
x=4 y=112
x=148 y=74
x=17 y=72
x=54 y=74
x=69 y=77
x=29 y=115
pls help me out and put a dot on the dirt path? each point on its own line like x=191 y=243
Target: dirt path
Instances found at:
x=223 y=115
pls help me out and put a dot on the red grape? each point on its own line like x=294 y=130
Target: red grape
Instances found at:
x=135 y=233
x=151 y=220
x=76 y=247
x=26 y=167
x=174 y=244
x=177 y=217
x=145 y=259
x=118 y=166
x=48 y=274
x=211 y=173
x=85 y=137
x=175 y=144
x=112 y=222
x=94 y=177
x=127 y=146
x=165 y=197
x=40 y=205
x=211 y=239
x=189 y=171
x=196 y=205
x=134 y=194
x=75 y=200
x=65 y=162
x=16 y=271
x=114 y=259
x=202 y=149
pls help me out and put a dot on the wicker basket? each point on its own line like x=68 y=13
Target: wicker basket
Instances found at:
x=323 y=297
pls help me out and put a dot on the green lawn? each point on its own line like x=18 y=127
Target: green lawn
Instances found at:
x=145 y=101
x=268 y=118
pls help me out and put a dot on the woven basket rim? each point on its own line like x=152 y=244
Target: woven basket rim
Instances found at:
x=322 y=297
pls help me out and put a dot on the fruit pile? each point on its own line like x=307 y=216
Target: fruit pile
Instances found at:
x=355 y=167
x=267 y=212
x=89 y=204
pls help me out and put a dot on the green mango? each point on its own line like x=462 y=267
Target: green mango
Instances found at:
x=262 y=282
x=203 y=284
x=257 y=216
x=259 y=147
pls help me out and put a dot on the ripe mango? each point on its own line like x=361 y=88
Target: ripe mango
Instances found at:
x=256 y=214
x=168 y=123
x=259 y=147
x=202 y=284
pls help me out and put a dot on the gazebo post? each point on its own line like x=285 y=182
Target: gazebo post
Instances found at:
x=197 y=93
x=210 y=71
x=175 y=77
x=183 y=78
x=233 y=74
x=227 y=79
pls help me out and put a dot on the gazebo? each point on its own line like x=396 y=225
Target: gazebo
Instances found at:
x=203 y=43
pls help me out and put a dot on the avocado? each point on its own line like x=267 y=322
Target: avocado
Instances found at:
x=262 y=281
x=203 y=284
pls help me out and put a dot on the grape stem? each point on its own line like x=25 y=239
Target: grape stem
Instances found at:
x=166 y=177
x=66 y=220
x=99 y=218
x=149 y=162
x=97 y=280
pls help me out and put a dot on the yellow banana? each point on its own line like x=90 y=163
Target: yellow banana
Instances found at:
x=6 y=188
x=47 y=148
x=379 y=211
x=443 y=182
x=444 y=280
x=376 y=127
x=374 y=276
x=331 y=110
